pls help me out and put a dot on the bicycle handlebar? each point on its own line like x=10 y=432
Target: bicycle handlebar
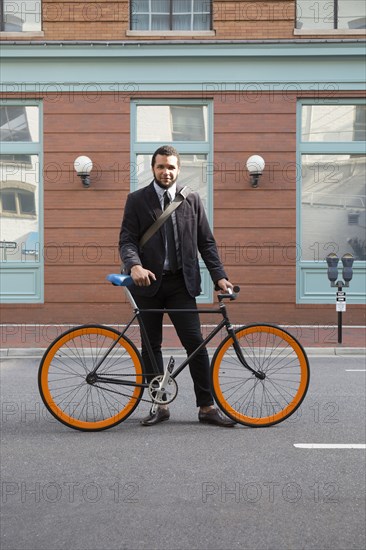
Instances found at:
x=232 y=294
x=120 y=279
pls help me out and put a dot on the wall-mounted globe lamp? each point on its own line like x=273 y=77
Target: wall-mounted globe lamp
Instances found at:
x=83 y=166
x=255 y=167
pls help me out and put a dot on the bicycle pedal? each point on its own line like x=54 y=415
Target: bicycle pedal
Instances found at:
x=171 y=364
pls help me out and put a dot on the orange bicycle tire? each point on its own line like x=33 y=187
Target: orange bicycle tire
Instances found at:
x=63 y=369
x=249 y=400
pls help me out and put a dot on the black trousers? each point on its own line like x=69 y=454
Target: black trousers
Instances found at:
x=173 y=294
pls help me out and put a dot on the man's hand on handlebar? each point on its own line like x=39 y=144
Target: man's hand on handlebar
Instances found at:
x=224 y=285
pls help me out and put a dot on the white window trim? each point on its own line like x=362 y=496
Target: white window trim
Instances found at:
x=23 y=34
x=329 y=32
x=170 y=33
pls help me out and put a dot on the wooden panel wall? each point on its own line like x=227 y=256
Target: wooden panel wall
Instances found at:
x=84 y=223
x=254 y=228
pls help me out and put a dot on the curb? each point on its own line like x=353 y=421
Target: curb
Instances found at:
x=19 y=353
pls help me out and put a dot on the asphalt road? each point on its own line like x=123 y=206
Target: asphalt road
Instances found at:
x=181 y=485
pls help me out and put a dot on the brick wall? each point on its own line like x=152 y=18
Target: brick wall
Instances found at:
x=108 y=20
x=93 y=20
x=253 y=20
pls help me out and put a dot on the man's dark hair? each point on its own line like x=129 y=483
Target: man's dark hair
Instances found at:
x=167 y=151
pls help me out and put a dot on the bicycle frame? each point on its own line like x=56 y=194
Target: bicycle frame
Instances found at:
x=225 y=322
x=98 y=400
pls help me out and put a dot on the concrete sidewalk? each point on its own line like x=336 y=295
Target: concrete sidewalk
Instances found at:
x=25 y=340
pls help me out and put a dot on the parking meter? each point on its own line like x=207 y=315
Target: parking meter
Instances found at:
x=347 y=272
x=332 y=261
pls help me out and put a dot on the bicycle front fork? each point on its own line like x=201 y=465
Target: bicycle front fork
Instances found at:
x=257 y=373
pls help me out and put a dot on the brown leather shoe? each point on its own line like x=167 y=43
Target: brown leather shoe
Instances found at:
x=214 y=416
x=154 y=418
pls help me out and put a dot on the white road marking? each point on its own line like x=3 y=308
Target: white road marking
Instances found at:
x=330 y=445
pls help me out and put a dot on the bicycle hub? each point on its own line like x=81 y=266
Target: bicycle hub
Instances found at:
x=91 y=378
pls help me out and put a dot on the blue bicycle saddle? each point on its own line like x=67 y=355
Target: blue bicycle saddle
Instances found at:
x=117 y=279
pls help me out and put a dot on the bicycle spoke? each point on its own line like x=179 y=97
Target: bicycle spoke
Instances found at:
x=70 y=395
x=260 y=401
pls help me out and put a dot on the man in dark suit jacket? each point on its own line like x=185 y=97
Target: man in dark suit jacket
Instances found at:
x=167 y=275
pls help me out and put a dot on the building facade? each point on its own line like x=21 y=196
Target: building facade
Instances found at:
x=221 y=81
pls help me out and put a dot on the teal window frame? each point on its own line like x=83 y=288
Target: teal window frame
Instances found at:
x=23 y=282
x=22 y=10
x=312 y=284
x=184 y=147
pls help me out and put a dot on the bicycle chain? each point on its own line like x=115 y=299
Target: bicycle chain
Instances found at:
x=123 y=394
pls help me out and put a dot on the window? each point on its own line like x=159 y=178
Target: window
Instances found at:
x=171 y=123
x=19 y=123
x=21 y=15
x=170 y=15
x=330 y=14
x=18 y=202
x=332 y=193
x=19 y=198
x=333 y=188
x=187 y=126
x=21 y=260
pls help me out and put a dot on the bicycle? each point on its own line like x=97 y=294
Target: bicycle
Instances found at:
x=92 y=377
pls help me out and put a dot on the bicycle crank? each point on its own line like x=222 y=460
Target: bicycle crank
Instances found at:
x=160 y=393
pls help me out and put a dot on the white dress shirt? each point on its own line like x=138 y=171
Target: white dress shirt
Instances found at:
x=172 y=191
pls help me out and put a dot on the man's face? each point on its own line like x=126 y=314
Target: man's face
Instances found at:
x=165 y=170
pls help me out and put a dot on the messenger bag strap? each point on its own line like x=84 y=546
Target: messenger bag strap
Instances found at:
x=179 y=198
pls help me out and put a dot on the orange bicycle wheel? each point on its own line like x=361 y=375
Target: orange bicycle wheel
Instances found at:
x=260 y=402
x=63 y=385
